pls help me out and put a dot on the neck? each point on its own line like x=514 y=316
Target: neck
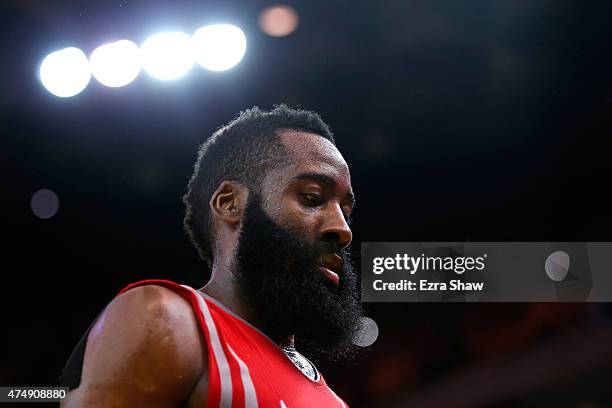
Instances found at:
x=222 y=288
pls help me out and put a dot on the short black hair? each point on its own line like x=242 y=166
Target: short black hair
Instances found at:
x=244 y=150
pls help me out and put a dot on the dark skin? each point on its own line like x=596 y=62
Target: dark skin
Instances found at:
x=146 y=349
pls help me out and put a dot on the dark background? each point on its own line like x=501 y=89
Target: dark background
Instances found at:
x=477 y=120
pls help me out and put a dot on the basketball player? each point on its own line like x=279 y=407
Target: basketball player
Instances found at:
x=267 y=208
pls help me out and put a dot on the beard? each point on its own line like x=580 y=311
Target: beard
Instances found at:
x=278 y=273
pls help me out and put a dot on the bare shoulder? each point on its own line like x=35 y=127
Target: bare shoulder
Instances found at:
x=146 y=349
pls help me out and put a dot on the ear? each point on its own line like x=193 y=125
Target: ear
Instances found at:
x=228 y=202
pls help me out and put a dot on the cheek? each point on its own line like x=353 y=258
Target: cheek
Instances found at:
x=272 y=204
x=296 y=217
x=274 y=192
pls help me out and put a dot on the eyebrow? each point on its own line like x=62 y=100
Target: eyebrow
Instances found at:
x=325 y=179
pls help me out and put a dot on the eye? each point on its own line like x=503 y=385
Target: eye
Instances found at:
x=313 y=199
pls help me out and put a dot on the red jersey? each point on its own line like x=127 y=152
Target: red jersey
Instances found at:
x=246 y=368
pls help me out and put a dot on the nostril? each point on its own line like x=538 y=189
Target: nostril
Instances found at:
x=337 y=238
x=331 y=237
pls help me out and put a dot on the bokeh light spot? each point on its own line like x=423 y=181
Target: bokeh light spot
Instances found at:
x=278 y=21
x=557 y=265
x=44 y=203
x=368 y=334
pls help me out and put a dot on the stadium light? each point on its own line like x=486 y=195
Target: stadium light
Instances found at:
x=116 y=64
x=168 y=55
x=219 y=47
x=65 y=72
x=164 y=56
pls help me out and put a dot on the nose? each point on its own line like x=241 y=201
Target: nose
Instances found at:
x=335 y=229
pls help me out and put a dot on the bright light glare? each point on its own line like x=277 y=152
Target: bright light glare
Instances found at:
x=65 y=72
x=167 y=56
x=115 y=64
x=219 y=47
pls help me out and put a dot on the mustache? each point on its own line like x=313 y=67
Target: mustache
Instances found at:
x=323 y=247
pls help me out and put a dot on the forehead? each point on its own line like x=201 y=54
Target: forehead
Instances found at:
x=313 y=153
x=309 y=153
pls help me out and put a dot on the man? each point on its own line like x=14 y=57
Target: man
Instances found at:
x=267 y=208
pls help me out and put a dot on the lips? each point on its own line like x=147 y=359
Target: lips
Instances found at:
x=331 y=267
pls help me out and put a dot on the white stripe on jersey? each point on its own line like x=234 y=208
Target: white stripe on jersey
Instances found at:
x=250 y=396
x=225 y=376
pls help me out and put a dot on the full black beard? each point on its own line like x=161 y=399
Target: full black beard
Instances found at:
x=278 y=273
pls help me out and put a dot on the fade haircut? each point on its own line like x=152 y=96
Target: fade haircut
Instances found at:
x=245 y=150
